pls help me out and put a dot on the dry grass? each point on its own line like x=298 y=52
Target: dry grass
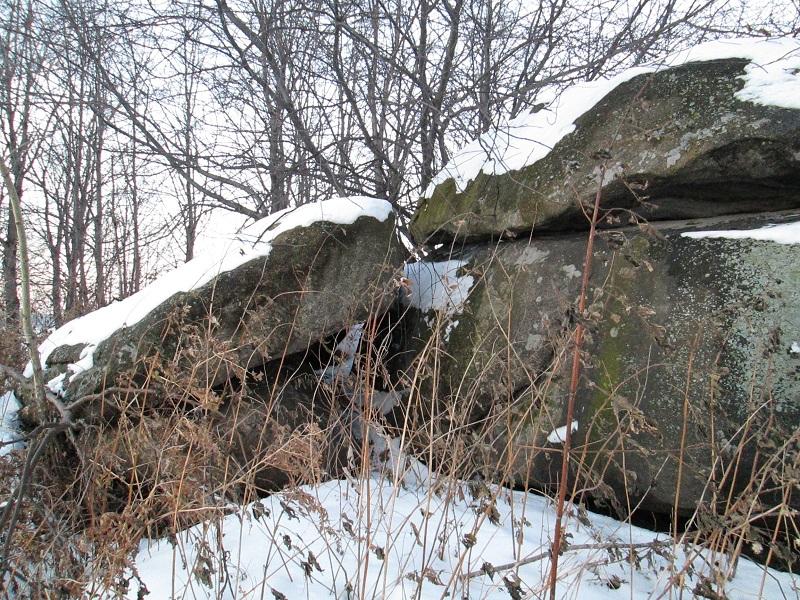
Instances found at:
x=168 y=450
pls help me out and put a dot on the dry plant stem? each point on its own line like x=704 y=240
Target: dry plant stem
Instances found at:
x=368 y=375
x=573 y=387
x=685 y=425
x=573 y=548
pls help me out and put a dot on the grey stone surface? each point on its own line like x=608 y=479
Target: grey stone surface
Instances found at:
x=315 y=281
x=670 y=320
x=675 y=144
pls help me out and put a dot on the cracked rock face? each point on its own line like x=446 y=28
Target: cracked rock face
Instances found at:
x=671 y=145
x=316 y=281
x=672 y=322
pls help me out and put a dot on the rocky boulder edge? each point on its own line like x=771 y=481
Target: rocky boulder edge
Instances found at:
x=688 y=397
x=684 y=336
x=295 y=278
x=699 y=139
x=210 y=378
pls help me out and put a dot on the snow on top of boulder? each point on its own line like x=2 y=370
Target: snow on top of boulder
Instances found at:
x=771 y=78
x=786 y=233
x=224 y=253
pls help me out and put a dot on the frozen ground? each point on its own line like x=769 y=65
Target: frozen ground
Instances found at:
x=372 y=539
x=407 y=535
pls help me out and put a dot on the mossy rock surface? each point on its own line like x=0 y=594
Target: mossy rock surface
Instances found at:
x=671 y=145
x=314 y=282
x=672 y=322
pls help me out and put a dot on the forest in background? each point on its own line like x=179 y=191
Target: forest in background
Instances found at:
x=125 y=125
x=137 y=132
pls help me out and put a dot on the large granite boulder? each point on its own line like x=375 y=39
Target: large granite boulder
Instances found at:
x=302 y=277
x=211 y=382
x=692 y=347
x=684 y=142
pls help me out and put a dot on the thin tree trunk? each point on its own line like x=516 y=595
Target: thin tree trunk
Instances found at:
x=10 y=278
x=485 y=85
x=25 y=305
x=100 y=284
x=136 y=267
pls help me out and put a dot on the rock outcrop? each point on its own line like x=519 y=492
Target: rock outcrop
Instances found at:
x=210 y=382
x=706 y=325
x=689 y=394
x=309 y=282
x=690 y=378
x=677 y=143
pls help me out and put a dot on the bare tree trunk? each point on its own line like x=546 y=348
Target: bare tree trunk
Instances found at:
x=136 y=263
x=25 y=306
x=77 y=231
x=18 y=67
x=189 y=211
x=10 y=297
x=100 y=279
x=485 y=82
x=421 y=71
x=54 y=241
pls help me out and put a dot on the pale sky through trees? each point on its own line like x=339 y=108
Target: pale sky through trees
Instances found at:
x=136 y=130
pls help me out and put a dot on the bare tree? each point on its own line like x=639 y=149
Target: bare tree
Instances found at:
x=253 y=106
x=20 y=62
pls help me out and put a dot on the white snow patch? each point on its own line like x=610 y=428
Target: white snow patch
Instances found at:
x=344 y=354
x=437 y=286
x=795 y=348
x=224 y=254
x=786 y=233
x=9 y=430
x=774 y=82
x=56 y=384
x=771 y=78
x=559 y=436
x=369 y=538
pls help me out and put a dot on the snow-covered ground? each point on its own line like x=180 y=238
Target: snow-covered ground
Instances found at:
x=408 y=535
x=9 y=405
x=771 y=78
x=372 y=539
x=224 y=254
